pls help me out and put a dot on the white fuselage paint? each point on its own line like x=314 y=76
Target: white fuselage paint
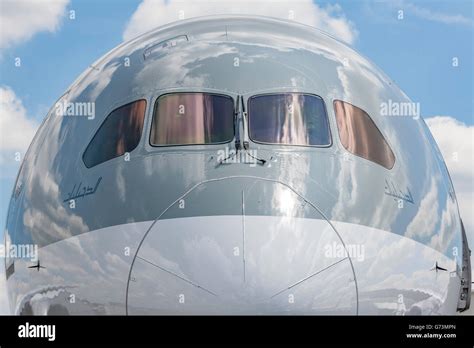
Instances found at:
x=88 y=273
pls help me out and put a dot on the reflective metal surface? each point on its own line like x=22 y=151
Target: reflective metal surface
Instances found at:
x=248 y=263
x=297 y=204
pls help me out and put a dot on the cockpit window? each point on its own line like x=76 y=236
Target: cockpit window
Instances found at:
x=289 y=119
x=120 y=133
x=192 y=119
x=360 y=136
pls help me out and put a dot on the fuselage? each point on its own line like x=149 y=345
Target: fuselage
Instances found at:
x=182 y=217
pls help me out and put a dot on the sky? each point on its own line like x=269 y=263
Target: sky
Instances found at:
x=426 y=47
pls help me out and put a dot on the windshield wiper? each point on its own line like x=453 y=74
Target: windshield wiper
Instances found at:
x=246 y=135
x=241 y=135
x=237 y=134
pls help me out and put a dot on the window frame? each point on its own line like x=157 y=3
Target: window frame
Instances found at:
x=102 y=125
x=290 y=145
x=376 y=127
x=153 y=112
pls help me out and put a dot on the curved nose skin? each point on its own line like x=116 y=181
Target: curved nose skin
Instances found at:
x=241 y=245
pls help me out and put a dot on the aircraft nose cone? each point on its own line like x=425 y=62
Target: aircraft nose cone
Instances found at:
x=241 y=246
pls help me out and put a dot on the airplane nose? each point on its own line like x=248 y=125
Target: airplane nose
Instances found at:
x=241 y=245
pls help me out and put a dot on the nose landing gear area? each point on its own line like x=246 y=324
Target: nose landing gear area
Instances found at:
x=261 y=249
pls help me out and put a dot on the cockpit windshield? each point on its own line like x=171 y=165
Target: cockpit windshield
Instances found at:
x=192 y=119
x=289 y=119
